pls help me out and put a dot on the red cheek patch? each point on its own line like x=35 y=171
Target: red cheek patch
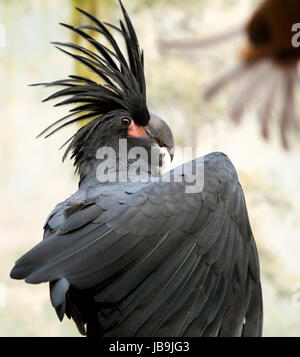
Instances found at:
x=136 y=131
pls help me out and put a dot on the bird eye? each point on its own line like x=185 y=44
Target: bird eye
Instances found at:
x=125 y=121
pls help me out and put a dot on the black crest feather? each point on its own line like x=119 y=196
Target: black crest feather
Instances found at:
x=122 y=84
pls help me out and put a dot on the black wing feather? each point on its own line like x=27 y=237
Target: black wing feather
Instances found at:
x=157 y=263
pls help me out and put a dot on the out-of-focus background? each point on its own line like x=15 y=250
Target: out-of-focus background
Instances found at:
x=33 y=179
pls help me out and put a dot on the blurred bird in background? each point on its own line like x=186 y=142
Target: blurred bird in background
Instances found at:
x=142 y=258
x=267 y=70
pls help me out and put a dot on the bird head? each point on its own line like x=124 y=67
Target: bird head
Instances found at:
x=115 y=104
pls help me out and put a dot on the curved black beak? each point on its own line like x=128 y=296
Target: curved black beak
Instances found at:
x=161 y=132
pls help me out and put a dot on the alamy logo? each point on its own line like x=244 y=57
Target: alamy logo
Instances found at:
x=113 y=166
x=296 y=37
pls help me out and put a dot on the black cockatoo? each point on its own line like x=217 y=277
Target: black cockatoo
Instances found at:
x=142 y=257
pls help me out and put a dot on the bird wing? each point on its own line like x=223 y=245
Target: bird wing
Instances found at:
x=161 y=261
